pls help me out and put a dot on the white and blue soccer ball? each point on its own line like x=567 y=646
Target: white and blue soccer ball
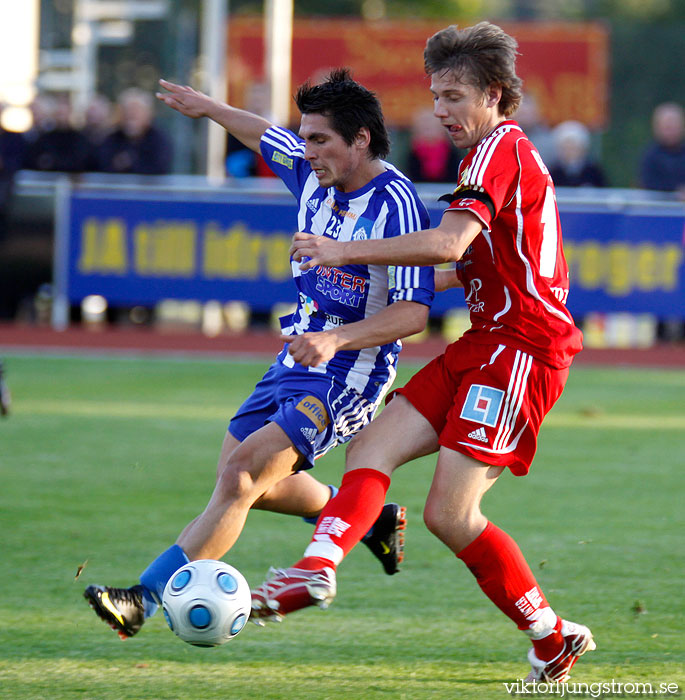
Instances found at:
x=206 y=602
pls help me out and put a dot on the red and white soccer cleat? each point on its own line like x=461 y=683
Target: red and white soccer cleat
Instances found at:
x=577 y=640
x=287 y=590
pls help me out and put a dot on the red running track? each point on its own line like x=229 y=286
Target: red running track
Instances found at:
x=265 y=343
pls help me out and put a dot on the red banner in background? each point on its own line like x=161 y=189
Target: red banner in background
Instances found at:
x=565 y=66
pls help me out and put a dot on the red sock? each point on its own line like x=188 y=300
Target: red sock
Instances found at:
x=346 y=518
x=505 y=577
x=548 y=647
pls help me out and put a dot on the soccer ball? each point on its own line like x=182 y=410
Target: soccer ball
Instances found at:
x=206 y=602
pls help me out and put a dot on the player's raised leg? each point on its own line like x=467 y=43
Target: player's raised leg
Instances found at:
x=261 y=460
x=370 y=461
x=259 y=467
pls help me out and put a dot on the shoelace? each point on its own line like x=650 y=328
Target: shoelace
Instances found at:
x=270 y=585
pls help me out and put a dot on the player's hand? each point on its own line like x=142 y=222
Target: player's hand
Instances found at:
x=184 y=99
x=316 y=250
x=311 y=349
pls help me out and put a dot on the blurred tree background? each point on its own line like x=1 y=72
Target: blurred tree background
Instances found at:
x=646 y=61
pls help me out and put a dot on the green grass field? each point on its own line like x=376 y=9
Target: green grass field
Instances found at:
x=104 y=460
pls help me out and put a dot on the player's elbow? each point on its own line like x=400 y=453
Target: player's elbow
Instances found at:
x=416 y=318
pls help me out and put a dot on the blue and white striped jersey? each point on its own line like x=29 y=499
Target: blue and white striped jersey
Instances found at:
x=328 y=297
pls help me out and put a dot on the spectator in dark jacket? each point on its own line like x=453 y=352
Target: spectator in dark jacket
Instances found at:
x=97 y=126
x=136 y=145
x=61 y=148
x=663 y=163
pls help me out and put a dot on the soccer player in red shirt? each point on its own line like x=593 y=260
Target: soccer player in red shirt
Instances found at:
x=481 y=403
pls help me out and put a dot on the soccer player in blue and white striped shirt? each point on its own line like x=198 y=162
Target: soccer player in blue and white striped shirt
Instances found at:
x=341 y=343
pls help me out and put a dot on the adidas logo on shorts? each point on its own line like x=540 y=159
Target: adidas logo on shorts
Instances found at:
x=479 y=434
x=309 y=433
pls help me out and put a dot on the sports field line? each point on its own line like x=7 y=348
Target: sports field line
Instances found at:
x=135 y=409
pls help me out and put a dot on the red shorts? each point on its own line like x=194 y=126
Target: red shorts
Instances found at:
x=486 y=401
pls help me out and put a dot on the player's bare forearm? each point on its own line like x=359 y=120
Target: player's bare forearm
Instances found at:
x=247 y=127
x=445 y=243
x=446 y=279
x=410 y=249
x=399 y=320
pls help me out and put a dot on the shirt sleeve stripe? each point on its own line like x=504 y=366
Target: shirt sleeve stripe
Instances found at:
x=279 y=141
x=287 y=136
x=402 y=189
x=401 y=214
x=407 y=279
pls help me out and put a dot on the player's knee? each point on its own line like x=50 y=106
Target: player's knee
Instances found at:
x=235 y=482
x=454 y=526
x=436 y=521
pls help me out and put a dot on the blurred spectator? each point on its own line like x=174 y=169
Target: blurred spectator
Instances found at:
x=136 y=145
x=534 y=126
x=432 y=157
x=43 y=114
x=572 y=165
x=663 y=163
x=58 y=145
x=97 y=126
x=12 y=155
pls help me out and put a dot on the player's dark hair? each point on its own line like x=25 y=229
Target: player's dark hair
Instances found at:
x=349 y=107
x=479 y=55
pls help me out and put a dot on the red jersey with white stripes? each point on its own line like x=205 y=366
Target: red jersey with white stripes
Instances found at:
x=514 y=273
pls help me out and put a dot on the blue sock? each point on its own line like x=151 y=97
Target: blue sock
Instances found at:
x=155 y=577
x=314 y=518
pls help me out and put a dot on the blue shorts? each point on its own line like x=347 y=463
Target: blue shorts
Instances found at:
x=316 y=411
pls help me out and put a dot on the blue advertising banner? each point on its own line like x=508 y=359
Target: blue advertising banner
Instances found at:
x=141 y=250
x=625 y=262
x=135 y=248
x=628 y=260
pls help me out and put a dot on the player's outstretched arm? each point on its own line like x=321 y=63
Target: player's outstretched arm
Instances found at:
x=445 y=243
x=245 y=126
x=399 y=320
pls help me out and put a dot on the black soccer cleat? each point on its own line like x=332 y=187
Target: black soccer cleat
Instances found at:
x=386 y=540
x=120 y=608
